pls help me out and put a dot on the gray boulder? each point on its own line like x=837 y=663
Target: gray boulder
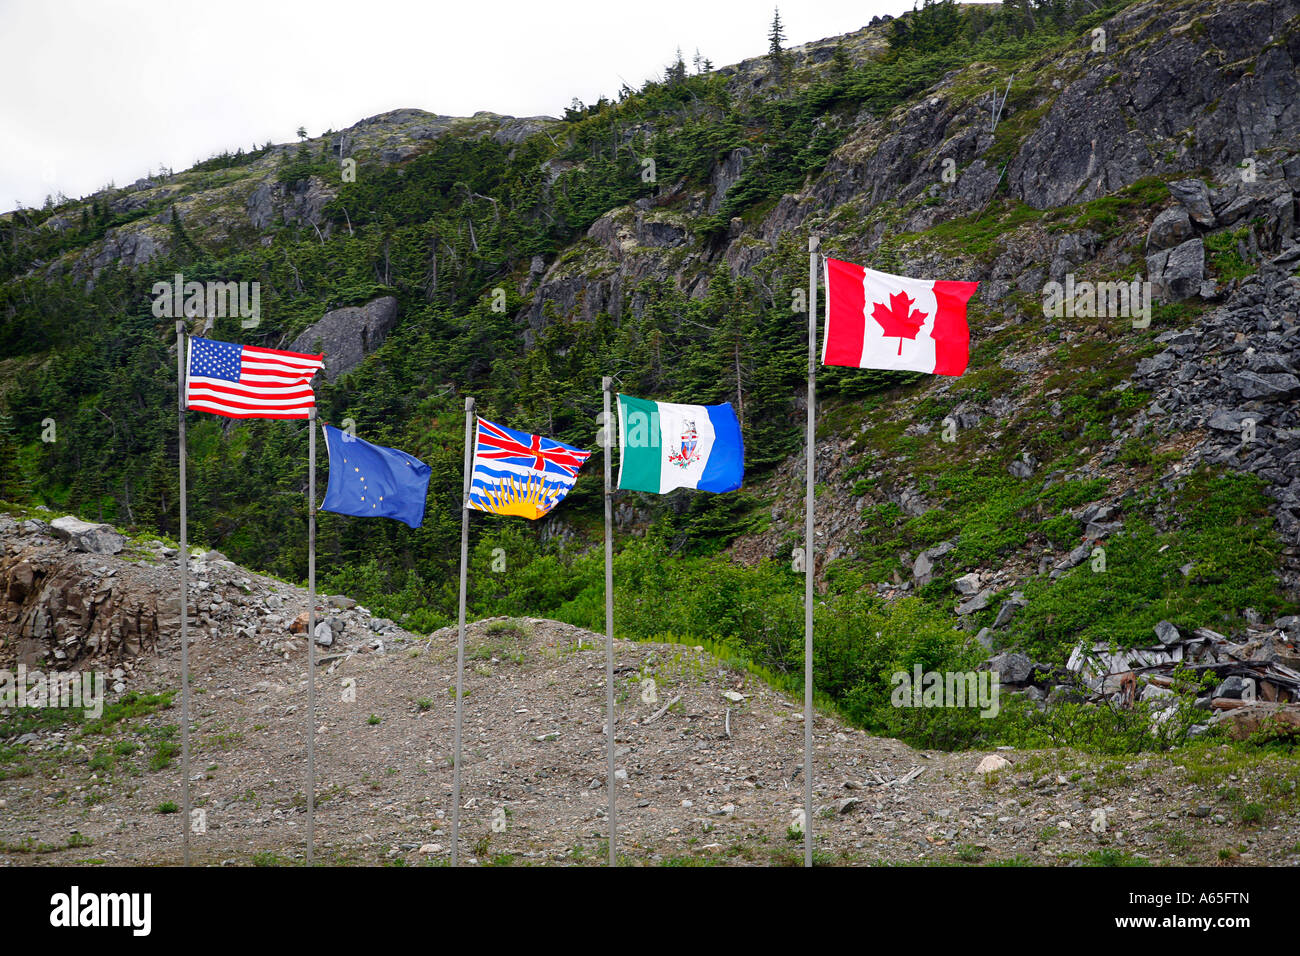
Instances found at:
x=1265 y=385
x=1009 y=608
x=1022 y=467
x=1233 y=687
x=348 y=335
x=1176 y=274
x=1170 y=228
x=84 y=536
x=1167 y=634
x=978 y=603
x=1012 y=667
x=324 y=634
x=1195 y=197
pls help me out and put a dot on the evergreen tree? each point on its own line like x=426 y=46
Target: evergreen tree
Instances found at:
x=776 y=45
x=13 y=482
x=841 y=65
x=676 y=71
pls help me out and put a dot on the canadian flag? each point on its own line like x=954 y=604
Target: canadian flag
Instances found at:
x=875 y=320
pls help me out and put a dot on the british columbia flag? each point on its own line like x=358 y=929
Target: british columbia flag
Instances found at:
x=516 y=473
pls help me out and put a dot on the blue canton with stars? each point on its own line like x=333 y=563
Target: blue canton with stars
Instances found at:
x=215 y=359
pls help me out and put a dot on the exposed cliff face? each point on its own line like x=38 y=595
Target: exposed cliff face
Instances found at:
x=62 y=605
x=1166 y=146
x=346 y=336
x=250 y=199
x=1178 y=88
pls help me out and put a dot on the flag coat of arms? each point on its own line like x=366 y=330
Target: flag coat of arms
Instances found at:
x=878 y=320
x=247 y=381
x=663 y=446
x=371 y=481
x=516 y=473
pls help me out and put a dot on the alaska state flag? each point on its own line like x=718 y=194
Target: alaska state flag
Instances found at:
x=516 y=473
x=371 y=481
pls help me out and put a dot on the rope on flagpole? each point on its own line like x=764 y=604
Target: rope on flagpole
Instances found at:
x=184 y=561
x=809 y=563
x=609 y=630
x=460 y=632
x=311 y=634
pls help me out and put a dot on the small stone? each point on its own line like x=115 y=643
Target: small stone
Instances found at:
x=978 y=603
x=1167 y=634
x=992 y=763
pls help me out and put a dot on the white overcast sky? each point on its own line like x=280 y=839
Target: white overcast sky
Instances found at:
x=93 y=91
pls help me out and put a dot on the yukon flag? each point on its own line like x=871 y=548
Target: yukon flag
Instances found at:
x=877 y=320
x=663 y=446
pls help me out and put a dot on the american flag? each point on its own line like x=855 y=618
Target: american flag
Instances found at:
x=245 y=381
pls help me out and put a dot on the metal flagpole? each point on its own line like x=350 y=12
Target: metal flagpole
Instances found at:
x=809 y=563
x=311 y=634
x=609 y=630
x=184 y=565
x=460 y=630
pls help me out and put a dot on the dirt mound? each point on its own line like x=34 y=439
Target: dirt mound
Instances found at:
x=709 y=757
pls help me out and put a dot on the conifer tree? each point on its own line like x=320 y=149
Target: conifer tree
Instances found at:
x=13 y=483
x=776 y=45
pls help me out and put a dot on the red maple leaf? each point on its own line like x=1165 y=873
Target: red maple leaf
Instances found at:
x=896 y=320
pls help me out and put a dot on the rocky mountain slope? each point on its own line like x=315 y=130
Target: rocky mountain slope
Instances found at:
x=708 y=756
x=1097 y=473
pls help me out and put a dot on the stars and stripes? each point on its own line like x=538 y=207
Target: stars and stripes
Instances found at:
x=247 y=381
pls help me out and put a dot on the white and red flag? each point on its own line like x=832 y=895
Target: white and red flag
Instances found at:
x=878 y=320
x=248 y=381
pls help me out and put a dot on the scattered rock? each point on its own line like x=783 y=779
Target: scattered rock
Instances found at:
x=1167 y=634
x=1011 y=667
x=992 y=763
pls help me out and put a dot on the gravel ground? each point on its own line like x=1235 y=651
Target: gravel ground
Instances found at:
x=708 y=780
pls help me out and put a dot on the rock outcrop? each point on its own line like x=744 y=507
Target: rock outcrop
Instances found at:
x=348 y=335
